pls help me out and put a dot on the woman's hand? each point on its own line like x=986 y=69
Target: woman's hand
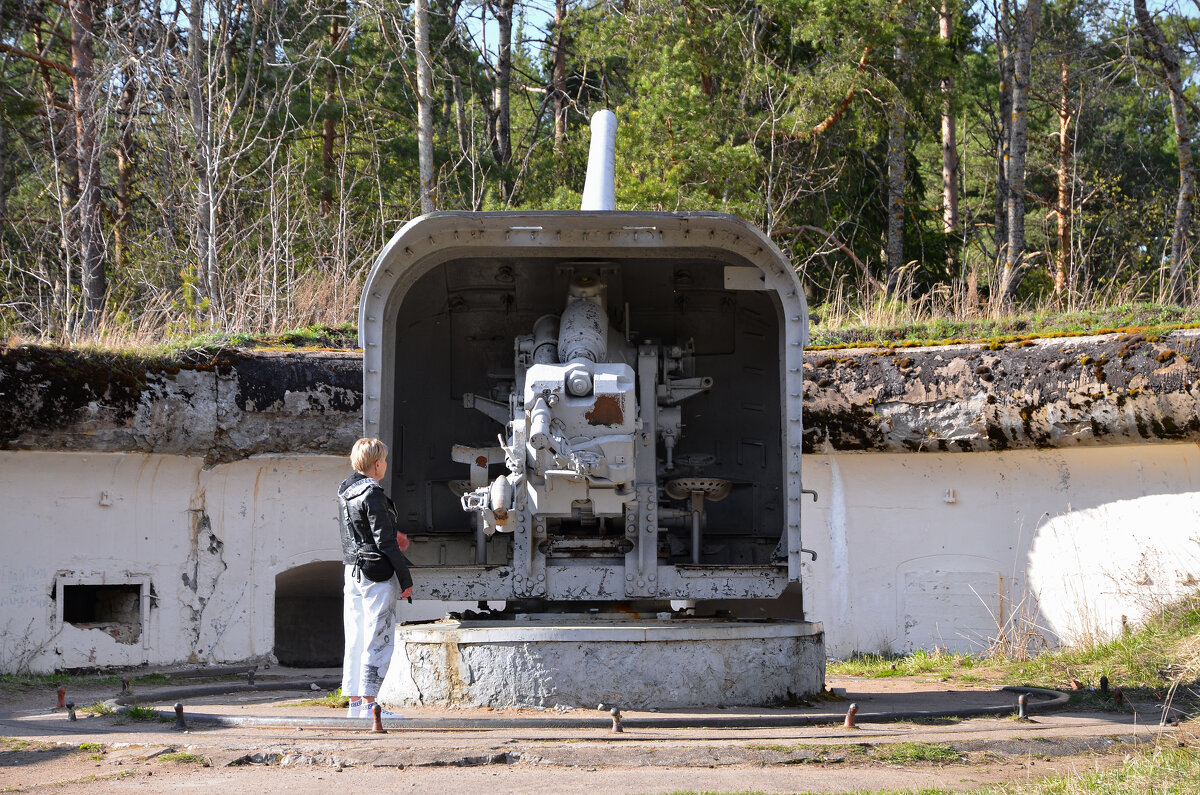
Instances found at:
x=402 y=541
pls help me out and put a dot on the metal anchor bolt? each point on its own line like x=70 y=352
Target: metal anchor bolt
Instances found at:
x=377 y=716
x=1118 y=696
x=1022 y=702
x=179 y=724
x=124 y=684
x=250 y=677
x=62 y=698
x=616 y=716
x=1104 y=685
x=71 y=710
x=850 y=713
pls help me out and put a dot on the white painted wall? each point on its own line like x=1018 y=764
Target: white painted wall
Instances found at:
x=924 y=550
x=210 y=541
x=1080 y=537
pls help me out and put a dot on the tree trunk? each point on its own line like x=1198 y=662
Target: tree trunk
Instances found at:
x=460 y=117
x=895 y=167
x=329 y=126
x=949 y=147
x=198 y=100
x=1014 y=255
x=1004 y=134
x=559 y=78
x=125 y=146
x=87 y=153
x=1062 y=206
x=1168 y=59
x=424 y=105
x=501 y=145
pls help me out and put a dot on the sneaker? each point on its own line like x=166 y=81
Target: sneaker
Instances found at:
x=384 y=714
x=355 y=710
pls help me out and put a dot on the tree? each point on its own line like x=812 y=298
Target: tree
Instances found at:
x=424 y=104
x=1014 y=253
x=1168 y=61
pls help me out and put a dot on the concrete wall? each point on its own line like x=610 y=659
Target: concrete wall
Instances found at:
x=206 y=544
x=914 y=550
x=958 y=550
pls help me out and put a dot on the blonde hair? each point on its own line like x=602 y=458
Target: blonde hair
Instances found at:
x=366 y=453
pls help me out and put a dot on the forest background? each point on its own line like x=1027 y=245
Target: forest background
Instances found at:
x=170 y=166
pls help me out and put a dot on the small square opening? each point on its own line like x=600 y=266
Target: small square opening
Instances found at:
x=115 y=609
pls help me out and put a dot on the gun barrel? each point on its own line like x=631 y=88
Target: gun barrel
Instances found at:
x=599 y=190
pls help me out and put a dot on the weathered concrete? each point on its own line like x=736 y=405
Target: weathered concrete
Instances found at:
x=1049 y=393
x=204 y=544
x=223 y=407
x=580 y=663
x=913 y=550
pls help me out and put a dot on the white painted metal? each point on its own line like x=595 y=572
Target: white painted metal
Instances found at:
x=445 y=238
x=599 y=188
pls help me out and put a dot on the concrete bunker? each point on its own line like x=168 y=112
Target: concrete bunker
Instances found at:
x=308 y=615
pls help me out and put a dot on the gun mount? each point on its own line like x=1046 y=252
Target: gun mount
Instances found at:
x=590 y=406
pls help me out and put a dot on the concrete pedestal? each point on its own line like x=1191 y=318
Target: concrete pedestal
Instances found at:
x=635 y=664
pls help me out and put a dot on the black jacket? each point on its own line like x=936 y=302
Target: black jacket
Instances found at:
x=369 y=524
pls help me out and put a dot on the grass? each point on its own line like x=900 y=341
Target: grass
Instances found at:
x=98 y=708
x=1163 y=770
x=119 y=349
x=18 y=682
x=1162 y=652
x=920 y=662
x=889 y=325
x=17 y=744
x=333 y=700
x=136 y=712
x=833 y=327
x=913 y=753
x=182 y=758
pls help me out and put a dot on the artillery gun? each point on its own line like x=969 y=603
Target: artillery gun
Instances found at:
x=594 y=417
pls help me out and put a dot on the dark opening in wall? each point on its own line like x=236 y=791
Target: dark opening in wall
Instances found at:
x=115 y=609
x=308 y=615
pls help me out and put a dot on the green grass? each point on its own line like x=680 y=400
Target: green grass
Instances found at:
x=136 y=712
x=1150 y=657
x=1162 y=770
x=183 y=758
x=91 y=747
x=914 y=753
x=920 y=662
x=98 y=708
x=18 y=682
x=333 y=700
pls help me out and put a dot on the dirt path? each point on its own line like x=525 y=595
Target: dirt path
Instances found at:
x=42 y=751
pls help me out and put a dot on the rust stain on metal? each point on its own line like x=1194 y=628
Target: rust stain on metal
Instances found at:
x=608 y=410
x=481 y=461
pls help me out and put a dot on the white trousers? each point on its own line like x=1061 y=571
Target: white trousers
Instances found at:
x=369 y=617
